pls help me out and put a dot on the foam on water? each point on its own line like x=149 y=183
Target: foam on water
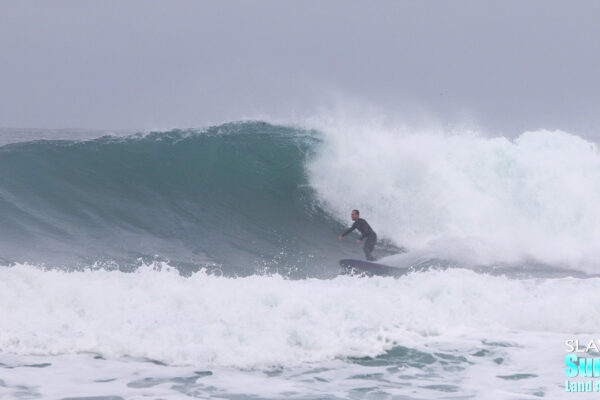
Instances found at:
x=426 y=335
x=466 y=196
x=261 y=321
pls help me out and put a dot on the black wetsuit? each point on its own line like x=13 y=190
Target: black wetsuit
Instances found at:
x=365 y=229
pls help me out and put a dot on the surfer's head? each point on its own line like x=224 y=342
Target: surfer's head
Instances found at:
x=355 y=215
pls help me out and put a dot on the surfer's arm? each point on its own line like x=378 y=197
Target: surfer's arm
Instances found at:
x=347 y=231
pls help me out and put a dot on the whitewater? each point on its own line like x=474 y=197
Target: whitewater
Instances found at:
x=203 y=263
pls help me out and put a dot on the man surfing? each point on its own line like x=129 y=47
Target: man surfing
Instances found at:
x=365 y=229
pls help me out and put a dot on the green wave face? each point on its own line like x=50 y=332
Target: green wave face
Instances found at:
x=233 y=197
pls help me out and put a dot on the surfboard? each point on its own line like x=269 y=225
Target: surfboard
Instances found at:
x=369 y=268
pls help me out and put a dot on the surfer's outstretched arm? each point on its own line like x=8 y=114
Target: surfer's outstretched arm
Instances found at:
x=353 y=227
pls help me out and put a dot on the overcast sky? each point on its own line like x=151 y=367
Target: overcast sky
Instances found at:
x=507 y=65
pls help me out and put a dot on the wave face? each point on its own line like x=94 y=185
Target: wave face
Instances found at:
x=233 y=196
x=255 y=197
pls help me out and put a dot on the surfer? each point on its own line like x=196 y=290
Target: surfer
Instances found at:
x=365 y=229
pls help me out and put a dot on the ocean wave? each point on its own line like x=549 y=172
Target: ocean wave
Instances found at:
x=254 y=197
x=234 y=195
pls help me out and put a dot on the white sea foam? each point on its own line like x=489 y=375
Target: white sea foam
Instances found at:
x=261 y=321
x=466 y=196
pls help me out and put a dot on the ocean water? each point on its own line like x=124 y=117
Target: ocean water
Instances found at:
x=204 y=263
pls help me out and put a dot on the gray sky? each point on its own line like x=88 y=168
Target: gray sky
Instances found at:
x=506 y=65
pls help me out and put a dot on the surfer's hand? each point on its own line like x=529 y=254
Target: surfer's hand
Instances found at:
x=340 y=238
x=357 y=241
